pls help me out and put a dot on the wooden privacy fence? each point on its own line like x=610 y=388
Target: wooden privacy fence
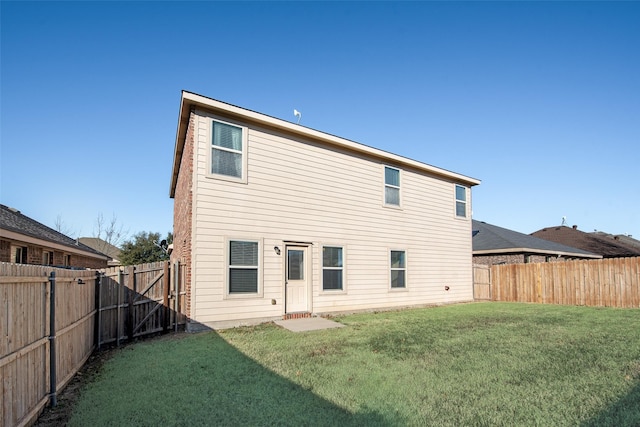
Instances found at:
x=598 y=283
x=90 y=308
x=138 y=300
x=38 y=358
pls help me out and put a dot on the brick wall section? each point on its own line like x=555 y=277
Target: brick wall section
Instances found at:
x=58 y=258
x=34 y=254
x=87 y=262
x=512 y=259
x=5 y=251
x=183 y=214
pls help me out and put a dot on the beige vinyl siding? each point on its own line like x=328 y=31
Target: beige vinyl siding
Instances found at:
x=300 y=191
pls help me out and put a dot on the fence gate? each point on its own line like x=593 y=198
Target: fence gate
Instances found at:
x=133 y=301
x=481 y=282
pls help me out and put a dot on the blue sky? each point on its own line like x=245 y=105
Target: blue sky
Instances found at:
x=539 y=100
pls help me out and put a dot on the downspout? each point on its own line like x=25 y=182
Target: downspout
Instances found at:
x=176 y=302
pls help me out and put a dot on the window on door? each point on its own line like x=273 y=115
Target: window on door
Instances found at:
x=295 y=264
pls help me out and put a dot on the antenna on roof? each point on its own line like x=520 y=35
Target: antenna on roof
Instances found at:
x=297 y=114
x=564 y=220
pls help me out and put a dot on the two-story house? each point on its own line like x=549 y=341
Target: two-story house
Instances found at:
x=273 y=219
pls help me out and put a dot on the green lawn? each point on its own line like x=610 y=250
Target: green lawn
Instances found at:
x=493 y=364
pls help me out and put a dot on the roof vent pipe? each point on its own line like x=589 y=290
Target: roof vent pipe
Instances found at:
x=575 y=227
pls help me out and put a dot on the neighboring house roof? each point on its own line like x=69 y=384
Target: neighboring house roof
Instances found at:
x=17 y=226
x=608 y=248
x=191 y=100
x=101 y=246
x=490 y=239
x=624 y=239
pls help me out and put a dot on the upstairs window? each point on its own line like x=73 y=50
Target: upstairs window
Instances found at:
x=227 y=150
x=461 y=201
x=332 y=268
x=243 y=267
x=391 y=186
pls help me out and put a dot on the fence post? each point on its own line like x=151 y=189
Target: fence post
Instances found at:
x=131 y=299
x=165 y=296
x=120 y=286
x=52 y=339
x=98 y=326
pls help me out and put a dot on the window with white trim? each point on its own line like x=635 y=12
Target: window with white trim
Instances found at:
x=398 y=269
x=332 y=268
x=243 y=267
x=461 y=201
x=227 y=149
x=391 y=186
x=47 y=258
x=19 y=254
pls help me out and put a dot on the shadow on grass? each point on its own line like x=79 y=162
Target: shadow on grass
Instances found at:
x=202 y=380
x=624 y=412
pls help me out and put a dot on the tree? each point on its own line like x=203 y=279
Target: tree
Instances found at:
x=145 y=247
x=62 y=227
x=109 y=231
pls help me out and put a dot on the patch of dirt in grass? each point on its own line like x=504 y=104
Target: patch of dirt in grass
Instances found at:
x=634 y=370
x=67 y=398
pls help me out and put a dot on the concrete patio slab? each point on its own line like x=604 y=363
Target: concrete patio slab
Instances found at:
x=308 y=324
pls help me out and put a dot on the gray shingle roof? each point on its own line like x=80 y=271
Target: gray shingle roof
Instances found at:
x=101 y=246
x=13 y=220
x=493 y=239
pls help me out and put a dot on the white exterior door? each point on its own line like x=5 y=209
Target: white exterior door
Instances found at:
x=296 y=281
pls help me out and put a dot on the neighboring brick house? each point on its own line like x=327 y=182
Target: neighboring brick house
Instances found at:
x=496 y=245
x=604 y=246
x=273 y=219
x=26 y=241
